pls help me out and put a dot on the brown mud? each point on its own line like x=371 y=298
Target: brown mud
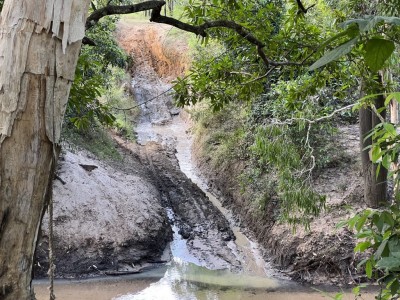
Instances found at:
x=322 y=255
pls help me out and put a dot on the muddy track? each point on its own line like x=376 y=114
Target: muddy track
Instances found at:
x=206 y=230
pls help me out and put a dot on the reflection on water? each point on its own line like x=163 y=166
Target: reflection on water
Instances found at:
x=184 y=280
x=178 y=246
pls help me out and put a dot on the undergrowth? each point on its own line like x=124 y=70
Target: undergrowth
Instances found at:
x=96 y=140
x=275 y=166
x=95 y=137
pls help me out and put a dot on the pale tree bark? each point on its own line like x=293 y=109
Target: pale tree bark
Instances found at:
x=39 y=46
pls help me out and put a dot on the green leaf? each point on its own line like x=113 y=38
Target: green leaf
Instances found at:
x=389 y=20
x=361 y=221
x=339 y=296
x=362 y=262
x=394 y=247
x=370 y=22
x=362 y=23
x=395 y=96
x=387 y=218
x=386 y=161
x=351 y=31
x=368 y=268
x=376 y=153
x=377 y=51
x=378 y=169
x=334 y=54
x=341 y=224
x=390 y=129
x=388 y=263
x=380 y=250
x=356 y=290
x=394 y=287
x=361 y=247
x=364 y=234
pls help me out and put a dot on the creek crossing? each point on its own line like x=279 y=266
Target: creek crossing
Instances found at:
x=185 y=276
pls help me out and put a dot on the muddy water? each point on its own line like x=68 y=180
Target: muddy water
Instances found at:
x=182 y=281
x=184 y=277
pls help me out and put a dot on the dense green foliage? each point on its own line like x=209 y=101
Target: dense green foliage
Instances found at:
x=380 y=240
x=282 y=99
x=325 y=51
x=94 y=76
x=374 y=41
x=99 y=87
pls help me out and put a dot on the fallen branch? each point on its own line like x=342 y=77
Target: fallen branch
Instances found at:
x=312 y=121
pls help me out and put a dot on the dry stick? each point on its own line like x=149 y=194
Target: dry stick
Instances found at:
x=51 y=246
x=307 y=142
x=310 y=121
x=50 y=204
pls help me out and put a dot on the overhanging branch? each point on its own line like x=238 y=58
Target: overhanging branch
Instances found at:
x=201 y=30
x=109 y=10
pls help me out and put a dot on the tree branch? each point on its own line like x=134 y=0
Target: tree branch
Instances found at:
x=121 y=10
x=201 y=30
x=156 y=16
x=88 y=41
x=301 y=7
x=312 y=121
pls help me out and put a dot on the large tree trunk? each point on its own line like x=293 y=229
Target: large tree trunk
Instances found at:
x=374 y=186
x=39 y=46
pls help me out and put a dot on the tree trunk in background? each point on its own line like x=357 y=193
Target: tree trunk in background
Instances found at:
x=375 y=187
x=39 y=46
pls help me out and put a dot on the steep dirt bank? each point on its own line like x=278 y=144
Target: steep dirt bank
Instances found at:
x=111 y=219
x=106 y=218
x=323 y=255
x=154 y=48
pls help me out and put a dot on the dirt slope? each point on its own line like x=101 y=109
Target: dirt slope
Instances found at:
x=154 y=47
x=322 y=255
x=106 y=218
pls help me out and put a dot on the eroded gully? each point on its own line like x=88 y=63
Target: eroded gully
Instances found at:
x=187 y=275
x=238 y=271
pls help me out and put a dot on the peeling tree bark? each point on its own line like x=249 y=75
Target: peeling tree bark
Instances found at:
x=39 y=47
